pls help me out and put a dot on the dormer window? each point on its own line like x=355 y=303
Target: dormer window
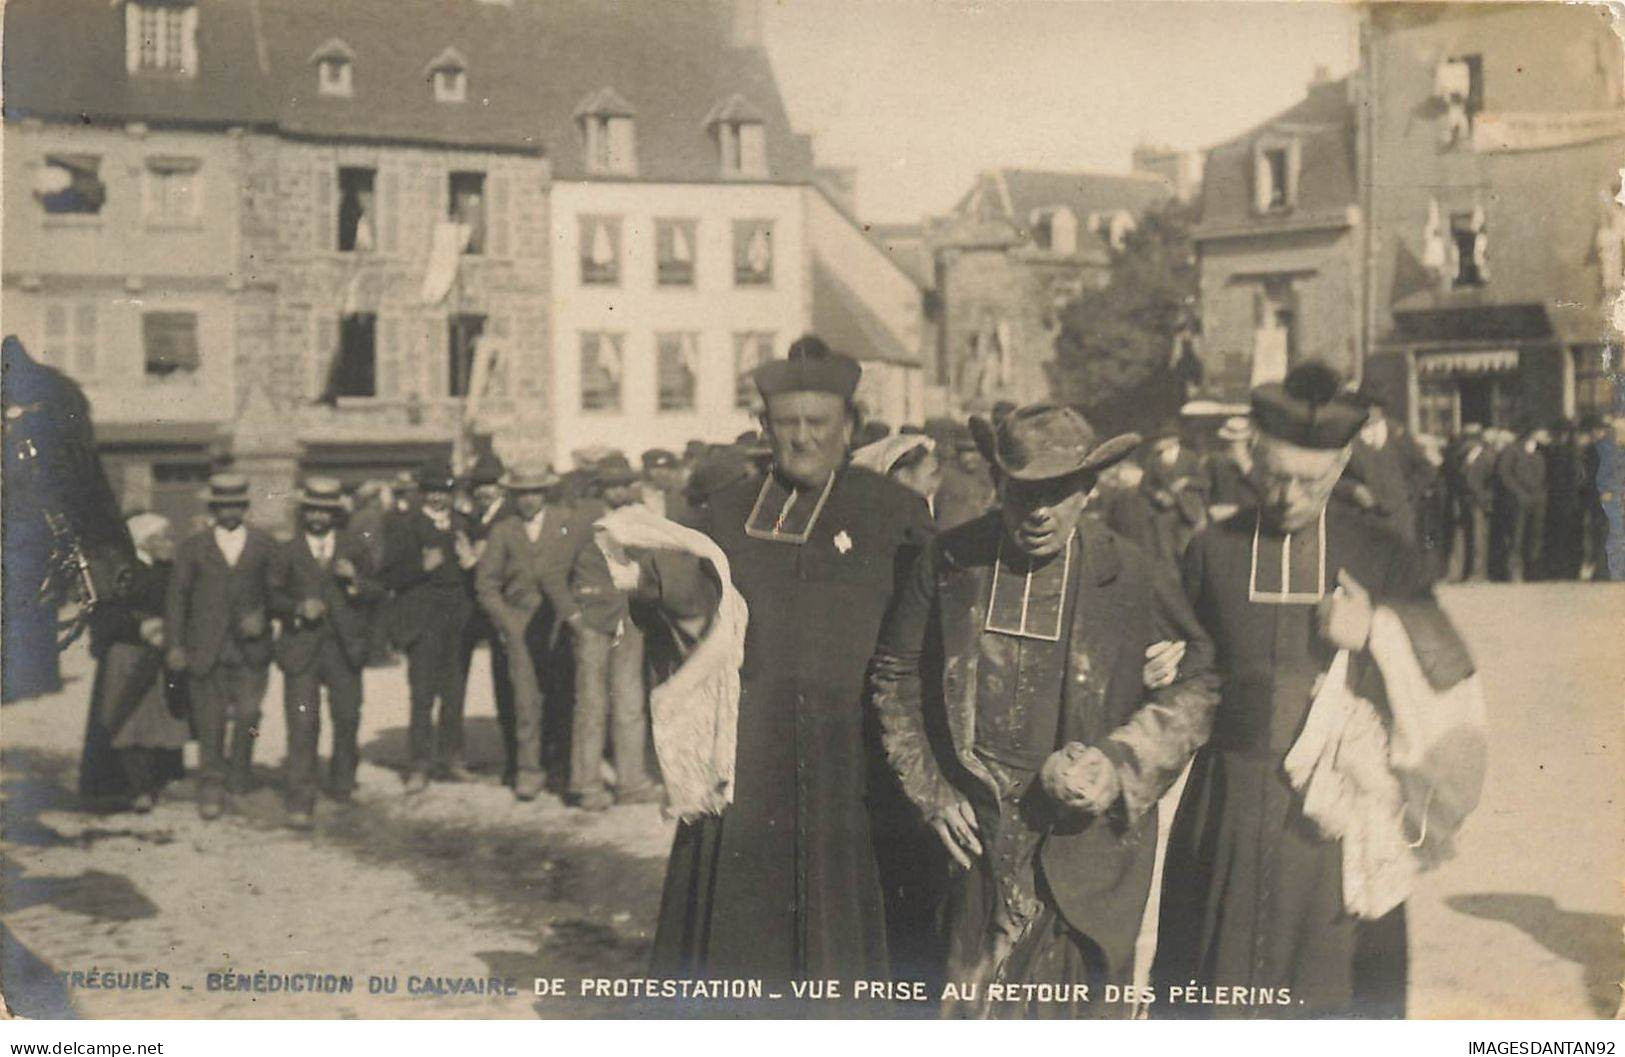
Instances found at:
x=741 y=138
x=449 y=75
x=1055 y=230
x=160 y=37
x=1275 y=175
x=608 y=134
x=334 y=61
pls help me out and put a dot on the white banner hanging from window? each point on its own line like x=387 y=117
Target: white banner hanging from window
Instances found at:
x=1542 y=131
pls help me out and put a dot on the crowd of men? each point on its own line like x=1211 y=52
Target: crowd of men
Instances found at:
x=977 y=656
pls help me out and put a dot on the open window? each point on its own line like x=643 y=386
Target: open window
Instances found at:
x=463 y=332
x=678 y=370
x=753 y=253
x=1459 y=86
x=357 y=210
x=1275 y=330
x=600 y=251
x=169 y=340
x=355 y=369
x=67 y=184
x=466 y=206
x=173 y=191
x=741 y=137
x=600 y=371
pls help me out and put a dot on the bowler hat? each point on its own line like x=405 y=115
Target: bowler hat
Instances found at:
x=322 y=493
x=1041 y=442
x=436 y=476
x=659 y=459
x=529 y=477
x=614 y=470
x=227 y=489
x=809 y=366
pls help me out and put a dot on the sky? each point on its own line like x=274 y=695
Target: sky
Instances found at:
x=921 y=95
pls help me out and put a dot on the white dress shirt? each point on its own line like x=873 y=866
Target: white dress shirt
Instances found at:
x=321 y=548
x=231 y=542
x=533 y=527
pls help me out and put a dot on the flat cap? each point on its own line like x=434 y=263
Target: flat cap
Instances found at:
x=810 y=366
x=1309 y=408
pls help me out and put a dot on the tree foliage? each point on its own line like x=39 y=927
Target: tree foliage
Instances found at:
x=1113 y=347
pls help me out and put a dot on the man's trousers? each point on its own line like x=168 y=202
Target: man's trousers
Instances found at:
x=1525 y=540
x=227 y=696
x=609 y=687
x=302 y=704
x=523 y=660
x=434 y=671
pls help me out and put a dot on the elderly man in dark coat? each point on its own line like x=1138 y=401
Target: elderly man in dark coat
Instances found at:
x=1009 y=687
x=782 y=886
x=1254 y=899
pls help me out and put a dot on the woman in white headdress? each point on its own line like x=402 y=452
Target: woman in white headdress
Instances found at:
x=910 y=459
x=137 y=724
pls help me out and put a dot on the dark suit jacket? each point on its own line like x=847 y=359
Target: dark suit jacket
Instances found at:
x=296 y=576
x=514 y=576
x=424 y=601
x=1522 y=474
x=923 y=685
x=207 y=598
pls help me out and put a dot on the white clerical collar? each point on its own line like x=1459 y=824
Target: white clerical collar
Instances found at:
x=1286 y=596
x=1026 y=613
x=781 y=513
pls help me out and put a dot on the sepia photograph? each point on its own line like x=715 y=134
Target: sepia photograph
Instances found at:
x=883 y=510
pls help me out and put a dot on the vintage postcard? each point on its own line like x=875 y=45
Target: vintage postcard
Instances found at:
x=896 y=509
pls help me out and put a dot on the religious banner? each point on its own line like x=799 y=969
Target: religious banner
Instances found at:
x=1543 y=131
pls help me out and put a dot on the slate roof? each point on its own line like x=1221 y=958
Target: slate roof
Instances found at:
x=64 y=60
x=844 y=319
x=1324 y=123
x=530 y=65
x=1007 y=199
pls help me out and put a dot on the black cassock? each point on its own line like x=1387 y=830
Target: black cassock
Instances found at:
x=783 y=886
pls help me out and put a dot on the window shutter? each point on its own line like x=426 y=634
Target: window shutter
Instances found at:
x=387 y=203
x=84 y=340
x=326 y=224
x=497 y=241
x=388 y=358
x=325 y=333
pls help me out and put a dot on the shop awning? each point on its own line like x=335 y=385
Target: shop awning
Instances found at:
x=1476 y=361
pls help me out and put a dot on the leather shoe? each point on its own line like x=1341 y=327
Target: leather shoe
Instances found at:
x=529 y=785
x=597 y=800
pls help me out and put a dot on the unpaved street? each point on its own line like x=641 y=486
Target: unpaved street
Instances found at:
x=445 y=892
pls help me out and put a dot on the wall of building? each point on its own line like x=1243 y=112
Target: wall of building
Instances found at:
x=78 y=285
x=1321 y=267
x=317 y=285
x=714 y=308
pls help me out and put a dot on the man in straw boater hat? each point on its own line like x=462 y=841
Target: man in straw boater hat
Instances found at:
x=522 y=582
x=424 y=567
x=322 y=592
x=782 y=885
x=1010 y=685
x=219 y=632
x=1323 y=625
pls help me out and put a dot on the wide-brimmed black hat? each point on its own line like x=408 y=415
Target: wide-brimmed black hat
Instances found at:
x=487 y=469
x=1310 y=408
x=436 y=476
x=614 y=470
x=1042 y=442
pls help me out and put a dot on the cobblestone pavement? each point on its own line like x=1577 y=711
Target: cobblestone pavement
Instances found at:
x=438 y=895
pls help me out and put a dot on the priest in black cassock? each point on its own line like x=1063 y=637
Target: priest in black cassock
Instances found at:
x=783 y=884
x=1257 y=896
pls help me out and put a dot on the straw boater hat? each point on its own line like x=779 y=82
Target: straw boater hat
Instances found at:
x=227 y=489
x=1042 y=442
x=322 y=493
x=1236 y=427
x=529 y=477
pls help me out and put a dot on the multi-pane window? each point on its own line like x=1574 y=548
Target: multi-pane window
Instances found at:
x=600 y=250
x=70 y=183
x=357 y=210
x=678 y=370
x=70 y=337
x=752 y=348
x=674 y=252
x=466 y=206
x=161 y=37
x=169 y=340
x=463 y=332
x=753 y=252
x=173 y=189
x=601 y=360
